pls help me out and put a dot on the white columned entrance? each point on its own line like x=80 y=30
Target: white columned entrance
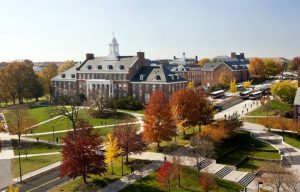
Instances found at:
x=105 y=87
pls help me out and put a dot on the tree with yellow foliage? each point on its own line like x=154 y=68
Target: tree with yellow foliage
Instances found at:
x=12 y=188
x=247 y=84
x=191 y=85
x=233 y=87
x=285 y=90
x=112 y=151
x=203 y=61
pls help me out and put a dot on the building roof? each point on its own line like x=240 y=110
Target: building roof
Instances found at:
x=237 y=65
x=123 y=61
x=211 y=66
x=297 y=97
x=156 y=74
x=180 y=68
x=68 y=74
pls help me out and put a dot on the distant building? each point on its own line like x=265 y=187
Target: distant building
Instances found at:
x=235 y=67
x=117 y=76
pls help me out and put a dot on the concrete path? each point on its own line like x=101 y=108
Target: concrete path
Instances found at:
x=37 y=155
x=6 y=154
x=129 y=179
x=67 y=130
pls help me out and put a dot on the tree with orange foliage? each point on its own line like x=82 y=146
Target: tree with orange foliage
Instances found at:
x=182 y=108
x=257 y=68
x=207 y=182
x=166 y=175
x=158 y=121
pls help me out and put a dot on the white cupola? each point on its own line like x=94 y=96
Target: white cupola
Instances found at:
x=113 y=50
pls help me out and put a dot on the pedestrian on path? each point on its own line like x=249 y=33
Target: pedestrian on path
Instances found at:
x=37 y=139
x=165 y=158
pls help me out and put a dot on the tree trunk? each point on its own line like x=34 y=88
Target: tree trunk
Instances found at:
x=36 y=98
x=127 y=159
x=123 y=165
x=112 y=167
x=84 y=178
x=158 y=145
x=179 y=180
x=200 y=128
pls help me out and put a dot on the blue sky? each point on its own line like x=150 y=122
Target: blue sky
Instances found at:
x=52 y=30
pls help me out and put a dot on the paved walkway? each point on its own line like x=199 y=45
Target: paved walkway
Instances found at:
x=129 y=179
x=6 y=154
x=37 y=155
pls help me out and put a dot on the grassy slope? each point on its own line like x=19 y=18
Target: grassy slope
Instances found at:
x=275 y=106
x=290 y=138
x=32 y=163
x=189 y=183
x=96 y=181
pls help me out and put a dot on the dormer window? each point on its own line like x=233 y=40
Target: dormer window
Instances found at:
x=99 y=67
x=72 y=75
x=141 y=77
x=63 y=75
x=121 y=67
x=109 y=67
x=157 y=77
x=89 y=67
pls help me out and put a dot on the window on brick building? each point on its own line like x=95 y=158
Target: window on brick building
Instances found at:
x=99 y=67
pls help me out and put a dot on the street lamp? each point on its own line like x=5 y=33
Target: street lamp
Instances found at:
x=252 y=147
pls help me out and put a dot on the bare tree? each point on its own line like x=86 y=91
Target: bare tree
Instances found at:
x=100 y=104
x=202 y=148
x=19 y=122
x=274 y=176
x=68 y=106
x=292 y=181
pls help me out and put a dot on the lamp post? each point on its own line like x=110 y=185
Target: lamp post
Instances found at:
x=252 y=147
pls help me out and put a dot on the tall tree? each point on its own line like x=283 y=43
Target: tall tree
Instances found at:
x=19 y=123
x=111 y=151
x=68 y=106
x=46 y=75
x=127 y=139
x=257 y=68
x=65 y=66
x=183 y=108
x=247 y=84
x=272 y=67
x=80 y=152
x=158 y=122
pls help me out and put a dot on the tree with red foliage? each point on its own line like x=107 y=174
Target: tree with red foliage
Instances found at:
x=166 y=175
x=207 y=182
x=128 y=140
x=158 y=121
x=81 y=153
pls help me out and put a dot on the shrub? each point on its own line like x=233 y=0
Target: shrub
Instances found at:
x=128 y=103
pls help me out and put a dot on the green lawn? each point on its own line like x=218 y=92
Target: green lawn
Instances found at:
x=290 y=138
x=63 y=123
x=49 y=137
x=247 y=145
x=32 y=163
x=189 y=182
x=34 y=147
x=275 y=106
x=40 y=113
x=96 y=181
x=247 y=165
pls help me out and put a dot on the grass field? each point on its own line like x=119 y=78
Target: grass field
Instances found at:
x=247 y=165
x=189 y=182
x=49 y=137
x=96 y=181
x=32 y=163
x=34 y=147
x=247 y=147
x=290 y=138
x=275 y=106
x=63 y=123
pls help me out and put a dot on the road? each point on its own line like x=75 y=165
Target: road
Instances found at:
x=43 y=182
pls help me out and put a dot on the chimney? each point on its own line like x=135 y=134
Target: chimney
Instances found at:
x=141 y=55
x=90 y=56
x=174 y=57
x=233 y=55
x=196 y=59
x=242 y=55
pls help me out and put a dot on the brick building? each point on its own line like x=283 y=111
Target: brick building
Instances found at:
x=117 y=76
